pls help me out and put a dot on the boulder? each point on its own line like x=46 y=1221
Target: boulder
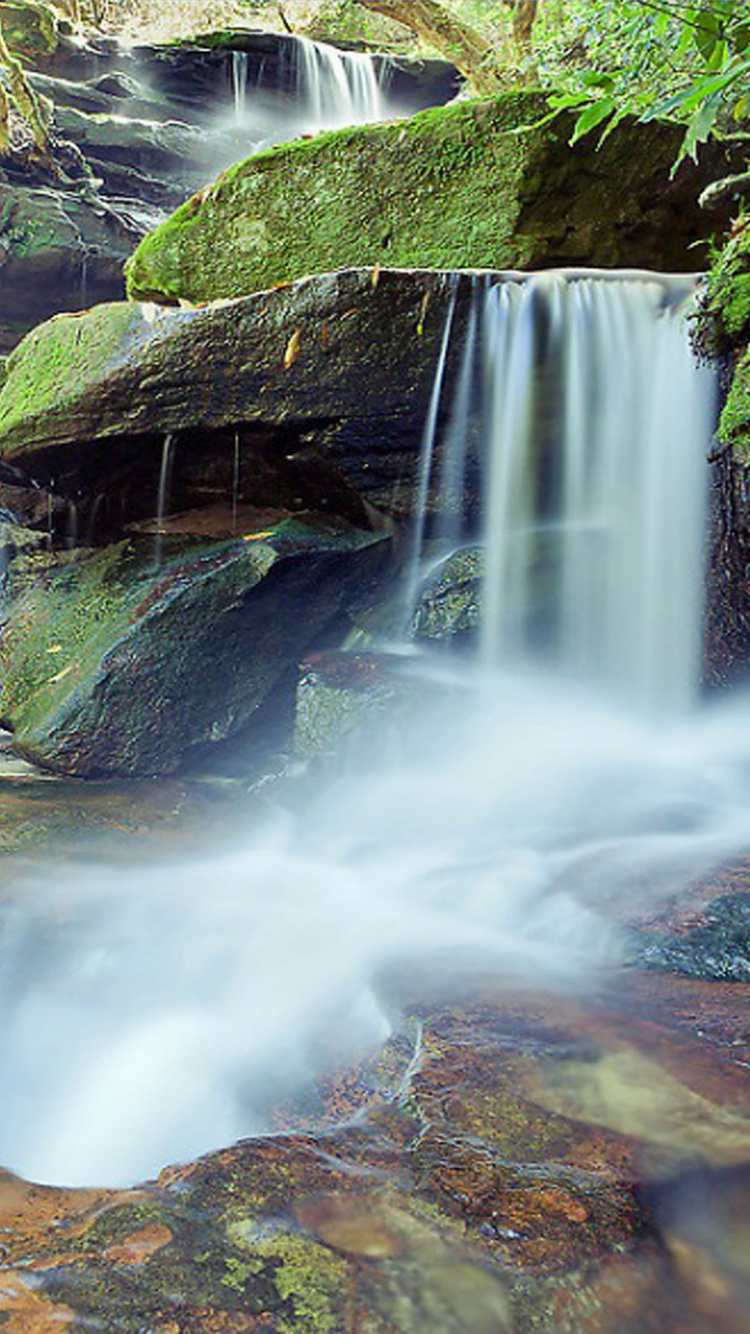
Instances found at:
x=106 y=656
x=474 y=185
x=30 y=29
x=332 y=373
x=450 y=601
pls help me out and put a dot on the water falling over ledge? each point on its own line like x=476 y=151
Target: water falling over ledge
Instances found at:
x=596 y=425
x=152 y=1014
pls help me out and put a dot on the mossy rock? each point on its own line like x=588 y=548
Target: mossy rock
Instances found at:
x=725 y=319
x=723 y=332
x=30 y=29
x=124 y=661
x=339 y=368
x=472 y=185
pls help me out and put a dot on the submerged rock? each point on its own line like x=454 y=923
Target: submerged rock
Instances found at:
x=476 y=185
x=716 y=947
x=126 y=660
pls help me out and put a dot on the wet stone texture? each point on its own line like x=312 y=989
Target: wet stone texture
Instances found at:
x=513 y=1162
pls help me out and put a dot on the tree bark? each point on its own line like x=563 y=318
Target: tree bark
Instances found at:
x=4 y=121
x=467 y=48
x=524 y=16
x=24 y=98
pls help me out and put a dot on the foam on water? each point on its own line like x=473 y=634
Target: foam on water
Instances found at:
x=149 y=1015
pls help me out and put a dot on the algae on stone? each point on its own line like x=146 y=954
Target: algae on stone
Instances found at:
x=105 y=660
x=473 y=185
x=30 y=28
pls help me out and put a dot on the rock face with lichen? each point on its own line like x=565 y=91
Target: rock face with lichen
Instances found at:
x=105 y=658
x=475 y=185
x=724 y=335
x=30 y=29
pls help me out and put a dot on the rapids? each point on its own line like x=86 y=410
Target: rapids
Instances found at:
x=560 y=777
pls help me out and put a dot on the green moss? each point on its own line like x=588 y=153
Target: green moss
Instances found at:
x=312 y=1278
x=30 y=29
x=474 y=185
x=725 y=322
x=79 y=348
x=734 y=427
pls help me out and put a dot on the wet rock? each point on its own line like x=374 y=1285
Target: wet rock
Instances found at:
x=105 y=657
x=59 y=250
x=475 y=185
x=342 y=693
x=436 y=1213
x=716 y=947
x=337 y=371
x=450 y=599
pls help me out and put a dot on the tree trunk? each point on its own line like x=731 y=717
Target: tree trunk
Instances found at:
x=25 y=99
x=524 y=15
x=4 y=121
x=468 y=49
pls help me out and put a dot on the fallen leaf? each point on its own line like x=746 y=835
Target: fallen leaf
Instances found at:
x=376 y=274
x=292 y=350
x=59 y=676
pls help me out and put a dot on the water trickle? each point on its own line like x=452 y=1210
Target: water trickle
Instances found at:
x=239 y=71
x=235 y=479
x=162 y=497
x=426 y=460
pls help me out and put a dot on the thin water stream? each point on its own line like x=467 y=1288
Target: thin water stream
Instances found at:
x=149 y=1015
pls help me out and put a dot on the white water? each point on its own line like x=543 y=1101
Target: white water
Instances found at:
x=337 y=88
x=332 y=89
x=151 y=1014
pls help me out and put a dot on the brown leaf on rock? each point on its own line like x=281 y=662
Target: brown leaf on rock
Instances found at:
x=292 y=350
x=349 y=1223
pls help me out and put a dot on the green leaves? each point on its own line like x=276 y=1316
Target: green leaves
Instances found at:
x=662 y=58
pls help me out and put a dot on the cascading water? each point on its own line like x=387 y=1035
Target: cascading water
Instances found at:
x=332 y=89
x=151 y=1014
x=598 y=421
x=595 y=428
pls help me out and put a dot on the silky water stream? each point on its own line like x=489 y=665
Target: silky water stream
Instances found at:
x=152 y=1014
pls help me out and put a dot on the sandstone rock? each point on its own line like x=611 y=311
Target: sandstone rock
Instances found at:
x=333 y=373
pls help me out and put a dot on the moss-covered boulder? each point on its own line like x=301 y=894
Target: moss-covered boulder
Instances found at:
x=123 y=661
x=475 y=185
x=30 y=29
x=335 y=371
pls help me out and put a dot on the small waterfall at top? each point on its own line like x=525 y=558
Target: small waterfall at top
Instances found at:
x=239 y=75
x=596 y=427
x=337 y=88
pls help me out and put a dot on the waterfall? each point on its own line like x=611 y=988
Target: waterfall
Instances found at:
x=320 y=88
x=597 y=422
x=152 y=1013
x=337 y=88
